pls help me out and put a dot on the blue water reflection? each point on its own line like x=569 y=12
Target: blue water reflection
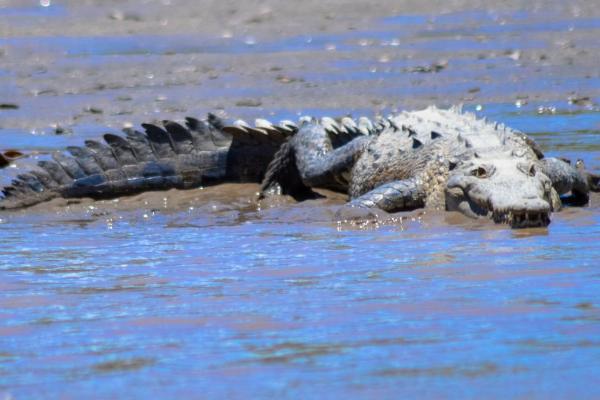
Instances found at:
x=222 y=298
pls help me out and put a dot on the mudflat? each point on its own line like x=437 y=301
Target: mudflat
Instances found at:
x=209 y=293
x=111 y=63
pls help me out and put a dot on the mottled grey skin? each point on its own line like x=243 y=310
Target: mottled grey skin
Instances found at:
x=434 y=158
x=163 y=157
x=442 y=159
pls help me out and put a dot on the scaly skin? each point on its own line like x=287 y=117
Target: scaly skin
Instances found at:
x=443 y=159
x=171 y=156
x=433 y=158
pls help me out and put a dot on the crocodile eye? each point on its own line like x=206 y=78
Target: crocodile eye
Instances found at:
x=480 y=172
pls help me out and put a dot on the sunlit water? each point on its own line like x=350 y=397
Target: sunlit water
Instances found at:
x=219 y=298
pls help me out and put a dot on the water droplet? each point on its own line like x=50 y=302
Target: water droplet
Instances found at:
x=478 y=107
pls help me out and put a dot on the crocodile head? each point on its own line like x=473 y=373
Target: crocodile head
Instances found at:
x=507 y=190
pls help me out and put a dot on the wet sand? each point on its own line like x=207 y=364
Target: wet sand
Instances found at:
x=116 y=63
x=208 y=292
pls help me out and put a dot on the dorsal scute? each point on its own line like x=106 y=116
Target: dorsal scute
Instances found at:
x=182 y=138
x=454 y=125
x=121 y=149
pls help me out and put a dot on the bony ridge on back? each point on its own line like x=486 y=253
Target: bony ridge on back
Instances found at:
x=434 y=158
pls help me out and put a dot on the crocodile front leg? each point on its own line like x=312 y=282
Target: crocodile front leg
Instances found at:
x=567 y=178
x=404 y=195
x=318 y=163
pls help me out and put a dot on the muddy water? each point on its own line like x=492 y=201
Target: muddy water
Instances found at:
x=207 y=293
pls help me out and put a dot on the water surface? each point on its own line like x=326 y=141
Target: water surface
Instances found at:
x=207 y=293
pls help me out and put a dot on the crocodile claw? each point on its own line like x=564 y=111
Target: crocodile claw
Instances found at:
x=354 y=214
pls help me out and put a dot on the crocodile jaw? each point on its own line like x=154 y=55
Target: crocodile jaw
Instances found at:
x=531 y=213
x=522 y=219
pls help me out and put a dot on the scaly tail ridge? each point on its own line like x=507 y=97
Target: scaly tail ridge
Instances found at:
x=162 y=157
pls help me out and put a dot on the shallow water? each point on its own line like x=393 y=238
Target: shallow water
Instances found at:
x=208 y=293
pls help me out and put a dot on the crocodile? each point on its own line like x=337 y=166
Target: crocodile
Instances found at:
x=434 y=158
x=445 y=159
x=165 y=155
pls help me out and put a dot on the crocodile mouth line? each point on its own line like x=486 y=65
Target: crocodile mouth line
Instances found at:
x=522 y=219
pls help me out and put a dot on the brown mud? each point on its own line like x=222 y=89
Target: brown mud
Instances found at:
x=210 y=293
x=258 y=58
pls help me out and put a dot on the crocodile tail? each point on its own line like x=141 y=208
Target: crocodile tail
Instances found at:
x=164 y=156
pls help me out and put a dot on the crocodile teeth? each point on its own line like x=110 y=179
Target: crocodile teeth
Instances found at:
x=530 y=219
